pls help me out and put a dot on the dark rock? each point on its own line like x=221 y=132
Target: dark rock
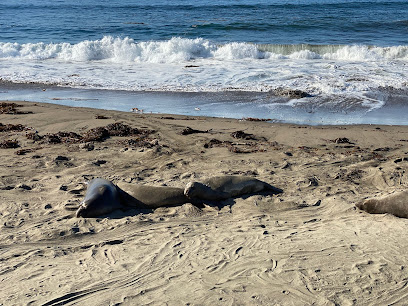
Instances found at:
x=401 y=160
x=99 y=162
x=318 y=203
x=313 y=181
x=24 y=186
x=290 y=93
x=6 y=188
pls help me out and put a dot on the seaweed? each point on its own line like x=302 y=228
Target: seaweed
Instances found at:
x=12 y=127
x=24 y=151
x=255 y=119
x=95 y=134
x=189 y=130
x=34 y=136
x=342 y=140
x=216 y=143
x=98 y=134
x=9 y=144
x=243 y=135
x=11 y=109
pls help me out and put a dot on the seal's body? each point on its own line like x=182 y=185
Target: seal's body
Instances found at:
x=223 y=187
x=155 y=196
x=395 y=204
x=103 y=197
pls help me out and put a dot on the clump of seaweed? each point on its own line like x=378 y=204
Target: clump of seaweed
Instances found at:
x=188 y=130
x=34 y=136
x=95 y=134
x=342 y=140
x=24 y=151
x=216 y=143
x=12 y=127
x=9 y=144
x=113 y=129
x=10 y=108
x=255 y=119
x=52 y=138
x=120 y=129
x=101 y=117
x=243 y=135
x=63 y=137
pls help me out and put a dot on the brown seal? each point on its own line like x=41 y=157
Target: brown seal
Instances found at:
x=395 y=204
x=154 y=196
x=219 y=188
x=102 y=197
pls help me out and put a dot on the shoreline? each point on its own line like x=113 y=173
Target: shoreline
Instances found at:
x=229 y=104
x=309 y=244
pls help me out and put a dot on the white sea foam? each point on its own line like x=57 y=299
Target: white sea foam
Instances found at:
x=181 y=49
x=125 y=64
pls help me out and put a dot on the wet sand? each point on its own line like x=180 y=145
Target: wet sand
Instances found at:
x=308 y=245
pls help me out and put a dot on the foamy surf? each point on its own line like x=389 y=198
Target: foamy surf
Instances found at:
x=177 y=49
x=329 y=73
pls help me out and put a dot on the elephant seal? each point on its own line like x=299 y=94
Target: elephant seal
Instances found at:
x=102 y=197
x=395 y=204
x=154 y=196
x=223 y=187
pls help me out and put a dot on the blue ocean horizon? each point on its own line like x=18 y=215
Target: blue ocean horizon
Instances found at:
x=350 y=57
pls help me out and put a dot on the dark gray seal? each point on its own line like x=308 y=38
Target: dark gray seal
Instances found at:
x=395 y=204
x=102 y=197
x=223 y=187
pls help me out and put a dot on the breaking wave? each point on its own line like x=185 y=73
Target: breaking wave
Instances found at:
x=179 y=49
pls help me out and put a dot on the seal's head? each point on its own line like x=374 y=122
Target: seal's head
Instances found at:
x=93 y=208
x=192 y=190
x=360 y=205
x=101 y=199
x=82 y=211
x=370 y=206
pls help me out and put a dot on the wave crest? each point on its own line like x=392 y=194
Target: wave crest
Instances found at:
x=179 y=49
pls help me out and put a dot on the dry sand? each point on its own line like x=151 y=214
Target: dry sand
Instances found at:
x=309 y=245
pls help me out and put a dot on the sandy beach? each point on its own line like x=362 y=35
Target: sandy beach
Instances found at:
x=309 y=245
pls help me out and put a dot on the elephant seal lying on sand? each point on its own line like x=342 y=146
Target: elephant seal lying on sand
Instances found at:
x=103 y=197
x=223 y=187
x=395 y=204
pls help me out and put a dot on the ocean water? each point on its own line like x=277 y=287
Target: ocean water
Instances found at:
x=225 y=58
